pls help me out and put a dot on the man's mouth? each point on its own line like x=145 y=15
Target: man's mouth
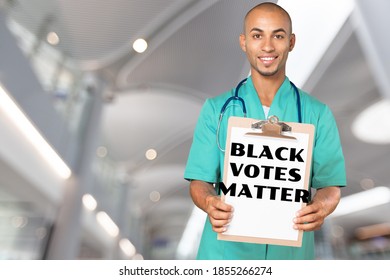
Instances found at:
x=267 y=60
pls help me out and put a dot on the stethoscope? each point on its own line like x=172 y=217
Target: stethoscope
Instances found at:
x=241 y=100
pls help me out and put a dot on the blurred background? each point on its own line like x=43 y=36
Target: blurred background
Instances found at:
x=98 y=103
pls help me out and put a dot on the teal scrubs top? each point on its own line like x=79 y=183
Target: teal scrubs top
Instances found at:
x=206 y=161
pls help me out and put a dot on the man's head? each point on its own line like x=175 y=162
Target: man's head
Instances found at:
x=269 y=6
x=267 y=39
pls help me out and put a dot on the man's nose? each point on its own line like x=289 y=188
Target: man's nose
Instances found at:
x=267 y=45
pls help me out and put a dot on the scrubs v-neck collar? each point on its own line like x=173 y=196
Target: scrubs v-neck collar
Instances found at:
x=283 y=104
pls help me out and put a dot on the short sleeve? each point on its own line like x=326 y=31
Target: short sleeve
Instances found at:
x=328 y=167
x=203 y=160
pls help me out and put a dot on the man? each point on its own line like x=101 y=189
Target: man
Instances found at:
x=267 y=40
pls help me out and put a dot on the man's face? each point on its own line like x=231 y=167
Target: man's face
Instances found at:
x=267 y=42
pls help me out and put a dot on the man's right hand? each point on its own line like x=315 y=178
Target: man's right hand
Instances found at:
x=204 y=196
x=220 y=213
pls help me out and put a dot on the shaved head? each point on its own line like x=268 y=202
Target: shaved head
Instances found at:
x=267 y=40
x=269 y=7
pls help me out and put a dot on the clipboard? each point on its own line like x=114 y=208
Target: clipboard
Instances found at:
x=266 y=178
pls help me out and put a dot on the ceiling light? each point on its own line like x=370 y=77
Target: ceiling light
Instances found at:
x=372 y=231
x=19 y=119
x=337 y=231
x=107 y=223
x=52 y=38
x=127 y=247
x=19 y=221
x=151 y=154
x=89 y=202
x=367 y=183
x=101 y=152
x=138 y=257
x=362 y=200
x=140 y=45
x=154 y=196
x=41 y=232
x=371 y=125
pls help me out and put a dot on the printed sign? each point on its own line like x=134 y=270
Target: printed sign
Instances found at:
x=266 y=181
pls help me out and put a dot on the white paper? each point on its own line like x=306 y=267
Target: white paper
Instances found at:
x=265 y=217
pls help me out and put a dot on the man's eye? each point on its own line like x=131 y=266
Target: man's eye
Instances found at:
x=256 y=36
x=279 y=36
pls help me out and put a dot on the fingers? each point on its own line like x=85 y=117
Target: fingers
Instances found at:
x=222 y=206
x=309 y=218
x=216 y=204
x=308 y=222
x=220 y=220
x=220 y=214
x=310 y=208
x=308 y=227
x=219 y=226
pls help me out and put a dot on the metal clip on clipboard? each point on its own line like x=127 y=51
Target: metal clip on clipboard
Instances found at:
x=271 y=127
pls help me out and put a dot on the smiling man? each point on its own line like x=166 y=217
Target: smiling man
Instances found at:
x=267 y=40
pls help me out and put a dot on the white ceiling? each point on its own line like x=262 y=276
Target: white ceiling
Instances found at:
x=154 y=98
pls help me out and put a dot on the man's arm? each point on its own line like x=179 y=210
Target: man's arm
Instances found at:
x=312 y=216
x=204 y=196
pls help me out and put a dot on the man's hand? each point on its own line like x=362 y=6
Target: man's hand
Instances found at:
x=204 y=196
x=220 y=213
x=312 y=216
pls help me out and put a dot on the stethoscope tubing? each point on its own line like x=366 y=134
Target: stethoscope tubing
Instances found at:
x=241 y=100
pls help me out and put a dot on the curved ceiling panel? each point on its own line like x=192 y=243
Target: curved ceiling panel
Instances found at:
x=192 y=57
x=144 y=119
x=145 y=182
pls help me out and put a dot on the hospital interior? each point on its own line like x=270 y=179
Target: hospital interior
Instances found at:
x=99 y=101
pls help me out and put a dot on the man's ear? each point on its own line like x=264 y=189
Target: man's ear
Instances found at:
x=242 y=42
x=292 y=42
